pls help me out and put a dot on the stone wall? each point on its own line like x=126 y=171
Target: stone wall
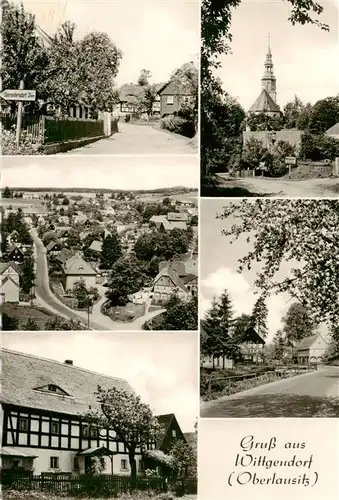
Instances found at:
x=292 y=136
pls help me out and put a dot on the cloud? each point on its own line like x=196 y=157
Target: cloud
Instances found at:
x=225 y=277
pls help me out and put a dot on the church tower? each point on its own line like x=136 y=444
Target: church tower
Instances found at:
x=268 y=81
x=266 y=103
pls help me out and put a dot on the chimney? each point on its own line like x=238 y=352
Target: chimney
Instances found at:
x=69 y=362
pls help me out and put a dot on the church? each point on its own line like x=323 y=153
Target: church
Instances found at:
x=267 y=101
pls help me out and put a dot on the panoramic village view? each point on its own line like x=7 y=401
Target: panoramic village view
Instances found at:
x=75 y=81
x=102 y=259
x=270 y=102
x=80 y=421
x=269 y=308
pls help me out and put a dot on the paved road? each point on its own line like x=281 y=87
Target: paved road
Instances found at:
x=319 y=188
x=138 y=139
x=314 y=394
x=47 y=299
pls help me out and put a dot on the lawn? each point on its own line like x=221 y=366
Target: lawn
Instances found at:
x=24 y=313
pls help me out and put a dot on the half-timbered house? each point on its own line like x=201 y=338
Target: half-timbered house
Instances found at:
x=41 y=426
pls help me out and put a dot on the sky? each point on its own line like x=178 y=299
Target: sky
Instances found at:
x=159 y=36
x=161 y=367
x=111 y=172
x=218 y=270
x=305 y=58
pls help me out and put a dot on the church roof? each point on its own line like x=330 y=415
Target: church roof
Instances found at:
x=264 y=103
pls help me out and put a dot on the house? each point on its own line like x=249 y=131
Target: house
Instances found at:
x=251 y=345
x=54 y=247
x=131 y=96
x=75 y=269
x=172 y=97
x=333 y=131
x=42 y=431
x=16 y=254
x=13 y=237
x=165 y=284
x=191 y=283
x=313 y=349
x=177 y=217
x=96 y=246
x=9 y=282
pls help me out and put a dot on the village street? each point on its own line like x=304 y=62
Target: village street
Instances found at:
x=48 y=300
x=315 y=394
x=138 y=139
x=261 y=186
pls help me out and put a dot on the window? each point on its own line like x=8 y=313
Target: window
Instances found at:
x=89 y=432
x=141 y=466
x=52 y=388
x=170 y=99
x=23 y=424
x=54 y=463
x=55 y=427
x=174 y=433
x=123 y=464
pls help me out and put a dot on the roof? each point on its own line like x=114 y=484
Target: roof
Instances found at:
x=133 y=92
x=22 y=373
x=5 y=265
x=64 y=255
x=264 y=103
x=9 y=278
x=98 y=451
x=172 y=88
x=250 y=335
x=307 y=342
x=177 y=216
x=8 y=451
x=165 y=422
x=189 y=277
x=158 y=218
x=96 y=246
x=172 y=276
x=169 y=225
x=333 y=130
x=76 y=265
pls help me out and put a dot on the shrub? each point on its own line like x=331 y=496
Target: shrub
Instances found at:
x=178 y=125
x=26 y=147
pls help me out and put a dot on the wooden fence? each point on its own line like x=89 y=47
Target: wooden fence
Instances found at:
x=237 y=383
x=50 y=130
x=101 y=485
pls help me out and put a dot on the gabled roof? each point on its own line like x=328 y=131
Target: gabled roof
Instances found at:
x=9 y=278
x=307 y=342
x=333 y=130
x=21 y=373
x=14 y=247
x=165 y=422
x=264 y=103
x=76 y=265
x=64 y=255
x=96 y=246
x=168 y=272
x=250 y=335
x=8 y=451
x=169 y=225
x=172 y=88
x=5 y=265
x=188 y=278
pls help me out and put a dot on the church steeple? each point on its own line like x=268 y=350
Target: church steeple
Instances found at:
x=268 y=81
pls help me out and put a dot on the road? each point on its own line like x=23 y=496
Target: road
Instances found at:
x=138 y=139
x=48 y=300
x=262 y=186
x=315 y=394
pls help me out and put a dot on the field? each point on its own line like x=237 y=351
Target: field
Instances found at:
x=158 y=197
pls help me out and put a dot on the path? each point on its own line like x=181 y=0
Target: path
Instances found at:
x=319 y=188
x=138 y=139
x=314 y=394
x=48 y=300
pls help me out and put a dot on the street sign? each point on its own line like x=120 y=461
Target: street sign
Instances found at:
x=290 y=160
x=18 y=95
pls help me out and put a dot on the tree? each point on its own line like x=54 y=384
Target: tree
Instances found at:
x=130 y=418
x=279 y=345
x=23 y=56
x=9 y=323
x=292 y=112
x=84 y=296
x=184 y=458
x=253 y=152
x=179 y=316
x=303 y=233
x=144 y=78
x=7 y=193
x=297 y=323
x=149 y=98
x=27 y=275
x=30 y=325
x=259 y=317
x=127 y=277
x=111 y=251
x=324 y=114
x=186 y=80
x=60 y=324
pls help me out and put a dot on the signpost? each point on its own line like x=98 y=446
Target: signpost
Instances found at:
x=290 y=160
x=19 y=95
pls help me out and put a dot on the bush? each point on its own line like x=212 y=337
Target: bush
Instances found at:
x=318 y=147
x=178 y=125
x=26 y=147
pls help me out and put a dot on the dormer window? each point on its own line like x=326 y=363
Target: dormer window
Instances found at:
x=52 y=388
